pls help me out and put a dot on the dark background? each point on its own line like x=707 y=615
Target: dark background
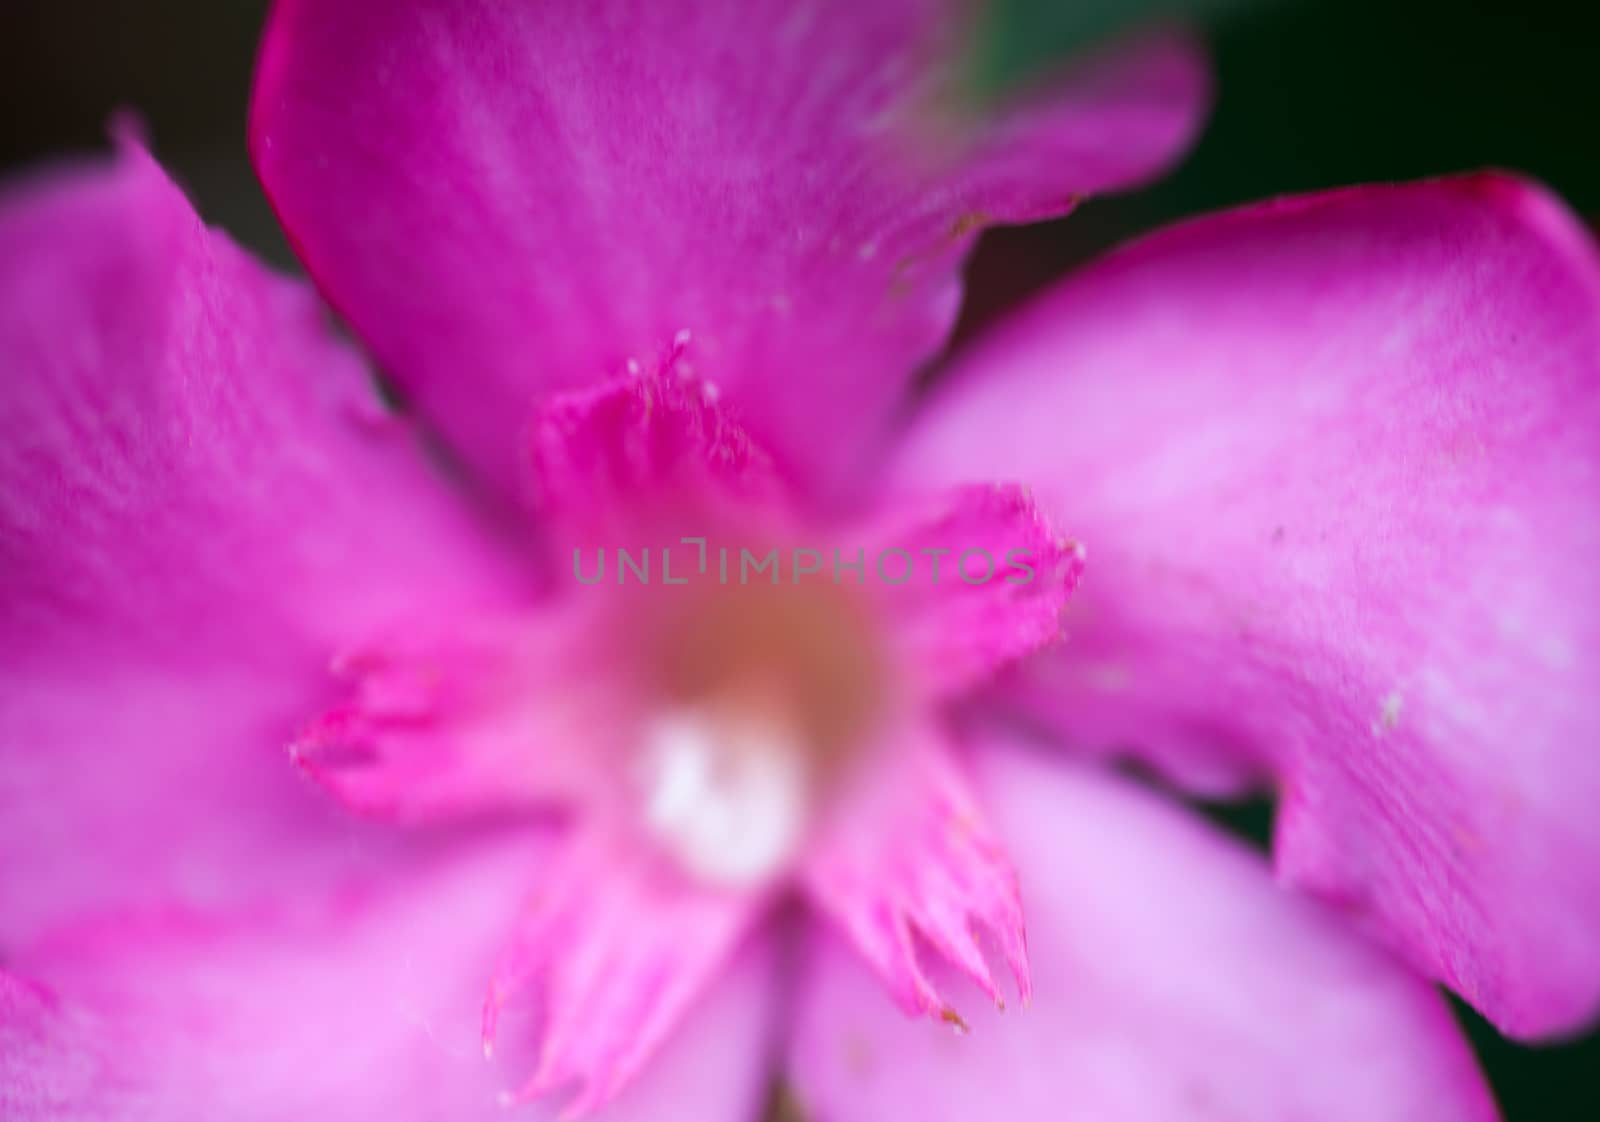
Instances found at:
x=1311 y=94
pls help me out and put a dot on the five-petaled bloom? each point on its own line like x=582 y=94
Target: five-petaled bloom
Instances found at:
x=655 y=271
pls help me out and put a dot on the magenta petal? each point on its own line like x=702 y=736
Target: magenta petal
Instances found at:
x=644 y=450
x=200 y=502
x=973 y=581
x=614 y=946
x=1172 y=981
x=364 y=1008
x=473 y=719
x=1337 y=464
x=911 y=869
x=510 y=198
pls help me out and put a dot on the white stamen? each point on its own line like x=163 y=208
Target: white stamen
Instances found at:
x=727 y=796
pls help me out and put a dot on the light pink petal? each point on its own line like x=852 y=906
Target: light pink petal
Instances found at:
x=361 y=1008
x=1337 y=464
x=613 y=948
x=1172 y=981
x=52 y=1058
x=509 y=198
x=909 y=867
x=201 y=502
x=972 y=581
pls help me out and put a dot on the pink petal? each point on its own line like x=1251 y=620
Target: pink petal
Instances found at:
x=506 y=199
x=973 y=581
x=910 y=859
x=616 y=947
x=129 y=785
x=201 y=501
x=1172 y=980
x=654 y=450
x=473 y=719
x=363 y=1008
x=1337 y=461
x=54 y=1058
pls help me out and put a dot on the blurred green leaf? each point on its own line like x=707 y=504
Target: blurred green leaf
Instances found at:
x=1023 y=37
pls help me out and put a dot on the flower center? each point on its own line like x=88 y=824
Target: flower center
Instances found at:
x=765 y=696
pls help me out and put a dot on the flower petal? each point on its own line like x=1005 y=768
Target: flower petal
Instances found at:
x=1337 y=461
x=481 y=718
x=1172 y=980
x=35 y=1032
x=200 y=501
x=645 y=451
x=909 y=856
x=359 y=1008
x=973 y=581
x=506 y=199
x=617 y=946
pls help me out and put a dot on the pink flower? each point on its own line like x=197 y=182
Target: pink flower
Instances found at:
x=659 y=275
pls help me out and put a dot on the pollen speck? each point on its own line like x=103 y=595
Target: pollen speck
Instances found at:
x=968 y=223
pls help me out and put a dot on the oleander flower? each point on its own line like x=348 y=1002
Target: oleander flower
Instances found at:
x=671 y=696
